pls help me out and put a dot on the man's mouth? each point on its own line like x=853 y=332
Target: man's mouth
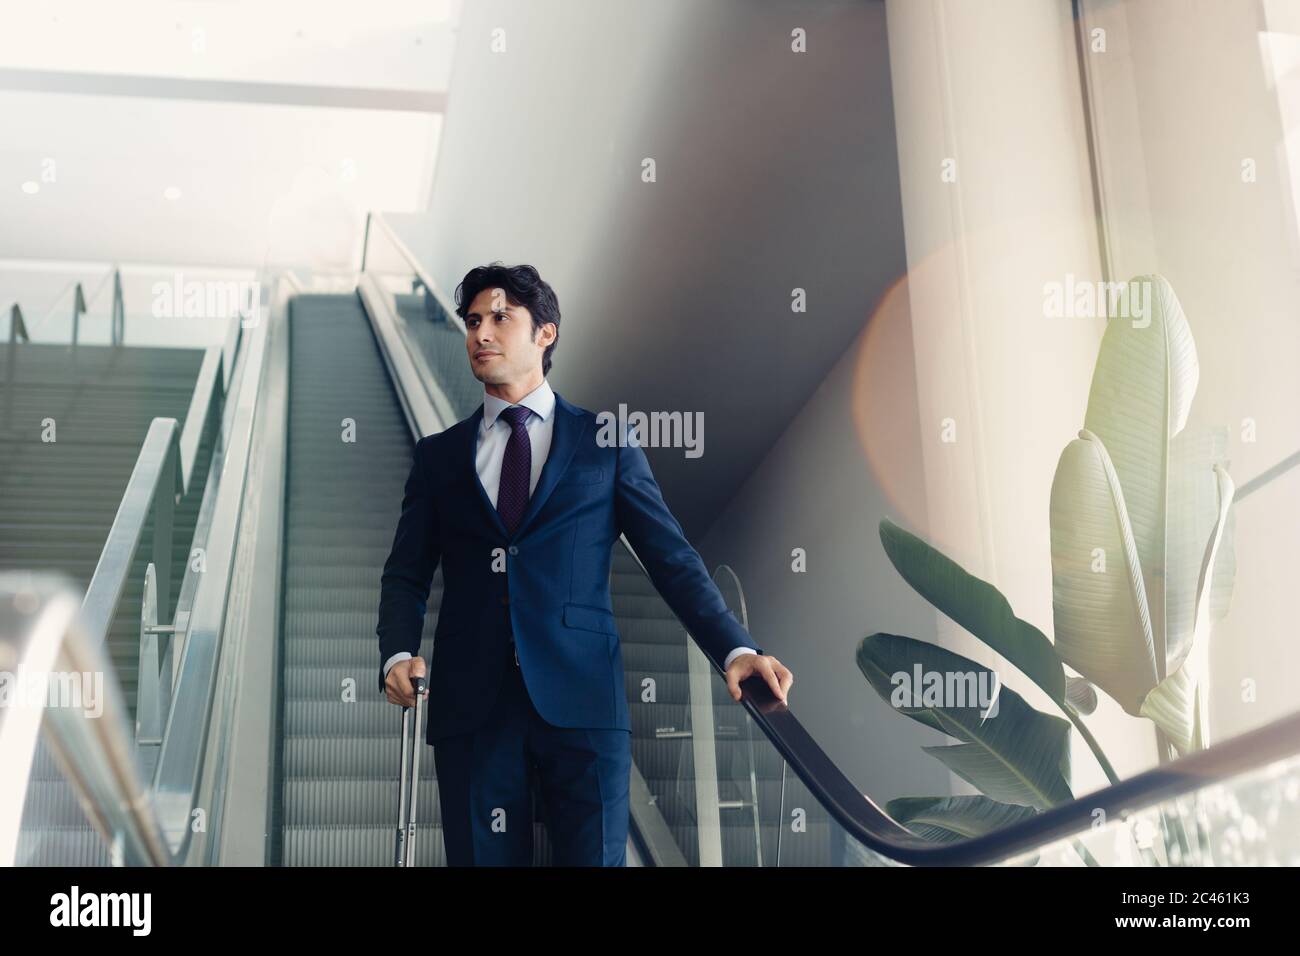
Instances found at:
x=485 y=355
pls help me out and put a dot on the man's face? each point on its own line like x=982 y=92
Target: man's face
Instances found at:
x=499 y=339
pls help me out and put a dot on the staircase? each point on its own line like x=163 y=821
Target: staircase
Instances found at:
x=58 y=499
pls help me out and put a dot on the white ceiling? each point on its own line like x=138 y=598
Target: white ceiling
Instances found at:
x=388 y=43
x=222 y=132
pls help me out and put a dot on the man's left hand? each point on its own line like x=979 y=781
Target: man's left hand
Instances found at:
x=776 y=674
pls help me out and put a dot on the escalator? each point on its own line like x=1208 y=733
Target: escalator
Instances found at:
x=715 y=782
x=349 y=455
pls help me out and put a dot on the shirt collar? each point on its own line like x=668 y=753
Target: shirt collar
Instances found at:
x=541 y=400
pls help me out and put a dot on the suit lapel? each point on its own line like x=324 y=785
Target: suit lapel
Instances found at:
x=468 y=464
x=570 y=424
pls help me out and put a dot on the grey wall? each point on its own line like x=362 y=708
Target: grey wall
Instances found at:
x=851 y=457
x=775 y=170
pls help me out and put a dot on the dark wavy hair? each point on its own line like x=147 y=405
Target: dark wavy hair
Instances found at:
x=523 y=286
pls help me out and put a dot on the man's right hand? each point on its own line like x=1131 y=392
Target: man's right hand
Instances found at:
x=398 y=686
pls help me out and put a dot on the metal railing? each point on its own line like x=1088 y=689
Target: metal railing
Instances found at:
x=176 y=779
x=21 y=331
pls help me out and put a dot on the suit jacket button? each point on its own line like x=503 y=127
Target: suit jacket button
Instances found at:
x=513 y=549
x=505 y=599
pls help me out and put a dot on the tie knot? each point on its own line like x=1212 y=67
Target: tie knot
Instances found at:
x=516 y=415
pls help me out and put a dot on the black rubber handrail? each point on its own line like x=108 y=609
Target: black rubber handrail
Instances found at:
x=873 y=828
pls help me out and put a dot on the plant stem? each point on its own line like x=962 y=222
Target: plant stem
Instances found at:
x=1107 y=769
x=1084 y=855
x=1165 y=753
x=1091 y=741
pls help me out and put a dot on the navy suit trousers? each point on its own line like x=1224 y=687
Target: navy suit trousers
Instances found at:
x=487 y=779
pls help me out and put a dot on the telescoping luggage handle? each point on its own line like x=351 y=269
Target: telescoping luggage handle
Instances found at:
x=404 y=851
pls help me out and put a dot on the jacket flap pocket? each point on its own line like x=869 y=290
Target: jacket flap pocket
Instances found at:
x=589 y=618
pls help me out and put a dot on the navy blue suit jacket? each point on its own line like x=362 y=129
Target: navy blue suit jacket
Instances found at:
x=548 y=583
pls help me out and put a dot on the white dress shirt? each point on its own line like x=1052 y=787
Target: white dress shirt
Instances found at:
x=491 y=450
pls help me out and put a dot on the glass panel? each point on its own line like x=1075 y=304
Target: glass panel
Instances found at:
x=47 y=295
x=1249 y=820
x=181 y=306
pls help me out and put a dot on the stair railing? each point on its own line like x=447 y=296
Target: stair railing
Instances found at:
x=20 y=331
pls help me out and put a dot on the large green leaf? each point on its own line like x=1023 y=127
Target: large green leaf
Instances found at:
x=1023 y=754
x=1103 y=627
x=953 y=819
x=977 y=606
x=1178 y=704
x=982 y=768
x=1142 y=388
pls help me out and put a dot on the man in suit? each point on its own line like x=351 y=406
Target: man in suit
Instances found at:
x=522 y=505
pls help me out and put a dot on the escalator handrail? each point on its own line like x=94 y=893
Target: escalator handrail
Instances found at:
x=179 y=770
x=867 y=823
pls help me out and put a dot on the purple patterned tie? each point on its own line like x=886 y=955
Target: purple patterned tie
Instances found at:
x=516 y=468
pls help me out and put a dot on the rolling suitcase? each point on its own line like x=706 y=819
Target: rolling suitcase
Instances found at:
x=404 y=850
